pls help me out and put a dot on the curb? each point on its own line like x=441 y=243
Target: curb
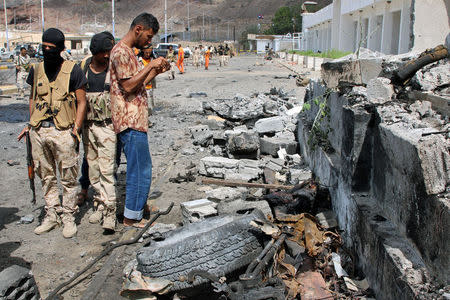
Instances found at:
x=8 y=89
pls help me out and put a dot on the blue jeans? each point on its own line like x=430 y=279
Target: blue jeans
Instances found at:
x=139 y=172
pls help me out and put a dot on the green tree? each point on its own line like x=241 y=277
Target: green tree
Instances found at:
x=251 y=29
x=286 y=19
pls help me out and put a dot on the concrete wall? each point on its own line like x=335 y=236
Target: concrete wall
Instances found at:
x=386 y=182
x=391 y=27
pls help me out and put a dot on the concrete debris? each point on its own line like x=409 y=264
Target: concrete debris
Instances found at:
x=380 y=90
x=188 y=151
x=423 y=108
x=13 y=163
x=270 y=125
x=336 y=259
x=28 y=219
x=197 y=210
x=159 y=228
x=356 y=285
x=275 y=164
x=295 y=176
x=433 y=77
x=271 y=145
x=197 y=95
x=241 y=207
x=217 y=166
x=244 y=144
x=226 y=194
x=236 y=109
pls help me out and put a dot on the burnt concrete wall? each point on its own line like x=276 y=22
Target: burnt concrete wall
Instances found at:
x=388 y=186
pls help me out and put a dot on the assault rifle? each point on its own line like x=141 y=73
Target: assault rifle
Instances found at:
x=30 y=165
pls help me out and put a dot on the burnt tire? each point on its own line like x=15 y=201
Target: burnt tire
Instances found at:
x=218 y=245
x=17 y=283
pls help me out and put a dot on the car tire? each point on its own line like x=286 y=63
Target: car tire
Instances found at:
x=219 y=245
x=17 y=282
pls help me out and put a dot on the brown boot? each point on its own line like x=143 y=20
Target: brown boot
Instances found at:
x=97 y=216
x=109 y=219
x=50 y=221
x=70 y=228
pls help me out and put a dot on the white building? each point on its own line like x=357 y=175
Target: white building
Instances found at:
x=388 y=26
x=262 y=43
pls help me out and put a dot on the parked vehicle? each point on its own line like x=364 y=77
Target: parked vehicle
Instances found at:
x=162 y=48
x=5 y=54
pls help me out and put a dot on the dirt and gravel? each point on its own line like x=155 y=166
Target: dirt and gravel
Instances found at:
x=54 y=259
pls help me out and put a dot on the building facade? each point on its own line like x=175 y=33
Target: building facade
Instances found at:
x=387 y=26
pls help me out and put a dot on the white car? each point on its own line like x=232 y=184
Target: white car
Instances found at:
x=5 y=54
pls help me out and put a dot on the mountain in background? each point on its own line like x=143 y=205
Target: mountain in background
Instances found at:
x=208 y=19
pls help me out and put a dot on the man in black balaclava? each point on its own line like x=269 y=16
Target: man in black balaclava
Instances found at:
x=52 y=46
x=57 y=110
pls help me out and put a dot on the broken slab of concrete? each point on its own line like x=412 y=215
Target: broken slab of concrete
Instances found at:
x=271 y=145
x=197 y=210
x=270 y=125
x=241 y=206
x=244 y=144
x=217 y=166
x=357 y=72
x=226 y=194
x=380 y=90
x=327 y=219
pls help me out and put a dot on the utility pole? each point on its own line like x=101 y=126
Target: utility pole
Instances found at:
x=203 y=27
x=188 y=25
x=113 y=21
x=42 y=14
x=6 y=25
x=228 y=31
x=165 y=21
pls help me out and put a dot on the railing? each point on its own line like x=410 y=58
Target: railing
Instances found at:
x=348 y=6
x=318 y=17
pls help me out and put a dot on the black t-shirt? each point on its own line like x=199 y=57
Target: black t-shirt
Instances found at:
x=96 y=82
x=77 y=78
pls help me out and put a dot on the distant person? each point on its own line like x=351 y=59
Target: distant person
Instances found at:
x=129 y=109
x=202 y=55
x=22 y=67
x=227 y=53
x=196 y=57
x=207 y=56
x=170 y=56
x=180 y=60
x=145 y=59
x=57 y=111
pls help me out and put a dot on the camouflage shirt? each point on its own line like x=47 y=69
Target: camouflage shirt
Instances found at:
x=128 y=110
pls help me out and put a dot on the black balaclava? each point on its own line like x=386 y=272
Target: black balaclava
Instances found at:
x=101 y=42
x=52 y=58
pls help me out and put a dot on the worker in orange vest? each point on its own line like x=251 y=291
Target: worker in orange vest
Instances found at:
x=180 y=59
x=207 y=55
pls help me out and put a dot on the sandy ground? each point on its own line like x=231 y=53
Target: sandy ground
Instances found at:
x=54 y=259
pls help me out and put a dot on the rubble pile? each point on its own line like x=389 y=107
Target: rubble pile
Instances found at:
x=263 y=229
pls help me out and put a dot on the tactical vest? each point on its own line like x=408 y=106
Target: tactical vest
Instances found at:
x=52 y=100
x=98 y=103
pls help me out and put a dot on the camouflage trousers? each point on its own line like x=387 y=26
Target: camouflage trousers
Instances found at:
x=21 y=80
x=99 y=142
x=53 y=150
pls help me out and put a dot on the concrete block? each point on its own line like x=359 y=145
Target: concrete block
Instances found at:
x=357 y=72
x=301 y=61
x=318 y=61
x=309 y=62
x=380 y=90
x=298 y=175
x=275 y=164
x=217 y=166
x=197 y=210
x=246 y=143
x=240 y=206
x=295 y=58
x=270 y=125
x=226 y=194
x=271 y=145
